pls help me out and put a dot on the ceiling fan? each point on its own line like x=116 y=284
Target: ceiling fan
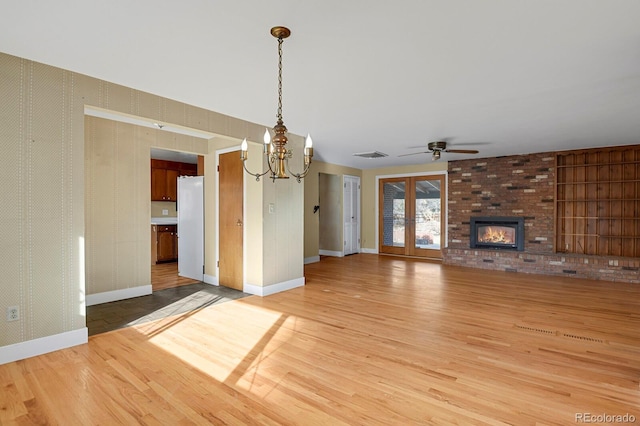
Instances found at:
x=437 y=147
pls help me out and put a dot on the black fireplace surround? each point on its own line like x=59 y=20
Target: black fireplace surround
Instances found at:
x=497 y=232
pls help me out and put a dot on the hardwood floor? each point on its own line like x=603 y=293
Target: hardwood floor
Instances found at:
x=369 y=340
x=165 y=275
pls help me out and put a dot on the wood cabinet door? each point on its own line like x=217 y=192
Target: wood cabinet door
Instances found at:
x=158 y=184
x=188 y=169
x=171 y=185
x=167 y=247
x=164 y=178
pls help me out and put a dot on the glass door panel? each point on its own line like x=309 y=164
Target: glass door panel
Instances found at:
x=427 y=213
x=393 y=215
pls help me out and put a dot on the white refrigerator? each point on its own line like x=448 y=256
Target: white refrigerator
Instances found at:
x=191 y=227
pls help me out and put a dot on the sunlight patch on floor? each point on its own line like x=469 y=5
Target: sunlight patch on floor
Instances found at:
x=239 y=339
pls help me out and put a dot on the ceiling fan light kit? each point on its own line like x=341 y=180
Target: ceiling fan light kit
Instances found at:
x=436 y=148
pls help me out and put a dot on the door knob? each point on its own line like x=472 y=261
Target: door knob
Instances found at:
x=239 y=223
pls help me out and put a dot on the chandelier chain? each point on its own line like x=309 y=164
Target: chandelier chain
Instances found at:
x=279 y=114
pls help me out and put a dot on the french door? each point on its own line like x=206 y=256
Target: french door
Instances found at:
x=411 y=221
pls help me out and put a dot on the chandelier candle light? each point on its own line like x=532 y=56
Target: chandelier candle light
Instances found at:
x=275 y=149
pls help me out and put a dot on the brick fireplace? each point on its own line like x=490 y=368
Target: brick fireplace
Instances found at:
x=520 y=186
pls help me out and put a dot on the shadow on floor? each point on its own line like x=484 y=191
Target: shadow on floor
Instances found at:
x=163 y=303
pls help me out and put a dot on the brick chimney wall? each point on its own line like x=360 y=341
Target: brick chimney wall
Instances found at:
x=519 y=185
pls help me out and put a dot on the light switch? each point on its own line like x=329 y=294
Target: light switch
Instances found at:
x=272 y=208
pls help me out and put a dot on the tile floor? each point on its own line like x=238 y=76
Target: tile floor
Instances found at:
x=163 y=303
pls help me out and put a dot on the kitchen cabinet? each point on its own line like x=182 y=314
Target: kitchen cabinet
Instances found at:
x=166 y=243
x=164 y=178
x=188 y=169
x=164 y=184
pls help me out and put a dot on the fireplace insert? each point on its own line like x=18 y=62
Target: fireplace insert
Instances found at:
x=497 y=232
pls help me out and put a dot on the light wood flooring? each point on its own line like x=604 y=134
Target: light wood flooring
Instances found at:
x=165 y=275
x=371 y=340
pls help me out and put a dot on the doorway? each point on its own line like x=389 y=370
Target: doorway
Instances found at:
x=411 y=215
x=330 y=240
x=167 y=169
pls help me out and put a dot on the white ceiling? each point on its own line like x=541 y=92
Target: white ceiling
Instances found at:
x=501 y=76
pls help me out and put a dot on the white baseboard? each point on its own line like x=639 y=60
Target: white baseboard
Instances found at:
x=312 y=259
x=369 y=251
x=210 y=279
x=331 y=253
x=43 y=345
x=112 y=296
x=273 y=288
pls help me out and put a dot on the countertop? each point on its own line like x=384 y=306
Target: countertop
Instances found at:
x=164 y=220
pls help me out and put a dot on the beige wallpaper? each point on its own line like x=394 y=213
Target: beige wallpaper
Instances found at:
x=283 y=255
x=253 y=250
x=42 y=154
x=41 y=163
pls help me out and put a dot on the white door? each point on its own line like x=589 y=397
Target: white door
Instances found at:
x=191 y=227
x=351 y=209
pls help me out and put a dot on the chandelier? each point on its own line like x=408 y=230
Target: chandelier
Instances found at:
x=275 y=149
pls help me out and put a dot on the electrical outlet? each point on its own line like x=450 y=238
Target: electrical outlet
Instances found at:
x=13 y=313
x=165 y=212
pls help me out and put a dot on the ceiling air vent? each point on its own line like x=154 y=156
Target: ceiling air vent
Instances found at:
x=370 y=154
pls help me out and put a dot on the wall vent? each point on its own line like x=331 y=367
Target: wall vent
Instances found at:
x=370 y=154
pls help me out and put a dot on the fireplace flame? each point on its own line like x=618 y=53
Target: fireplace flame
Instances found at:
x=499 y=235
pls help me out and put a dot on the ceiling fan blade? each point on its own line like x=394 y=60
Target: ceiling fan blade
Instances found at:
x=462 y=151
x=415 y=153
x=472 y=143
